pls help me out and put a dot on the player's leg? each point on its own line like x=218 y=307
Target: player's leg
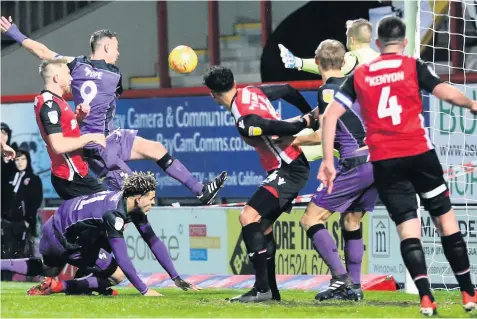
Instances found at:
x=271 y=245
x=399 y=197
x=141 y=149
x=432 y=188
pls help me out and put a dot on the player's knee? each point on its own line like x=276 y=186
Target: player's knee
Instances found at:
x=438 y=205
x=248 y=215
x=314 y=216
x=118 y=276
x=351 y=221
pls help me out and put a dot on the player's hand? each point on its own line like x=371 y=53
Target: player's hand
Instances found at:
x=5 y=24
x=184 y=285
x=327 y=174
x=98 y=138
x=153 y=293
x=311 y=121
x=473 y=108
x=82 y=110
x=8 y=153
x=289 y=60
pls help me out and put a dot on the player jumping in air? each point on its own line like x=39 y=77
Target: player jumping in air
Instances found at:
x=59 y=129
x=358 y=41
x=354 y=193
x=403 y=157
x=287 y=167
x=85 y=230
x=97 y=82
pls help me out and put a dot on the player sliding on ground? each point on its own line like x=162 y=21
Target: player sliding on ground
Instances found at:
x=85 y=230
x=354 y=190
x=287 y=167
x=97 y=82
x=359 y=35
x=403 y=157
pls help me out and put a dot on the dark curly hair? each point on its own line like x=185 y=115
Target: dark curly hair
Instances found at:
x=219 y=79
x=139 y=183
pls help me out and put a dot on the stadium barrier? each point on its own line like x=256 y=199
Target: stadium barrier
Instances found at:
x=205 y=245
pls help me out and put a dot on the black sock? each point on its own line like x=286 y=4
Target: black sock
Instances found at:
x=415 y=261
x=456 y=253
x=254 y=240
x=271 y=250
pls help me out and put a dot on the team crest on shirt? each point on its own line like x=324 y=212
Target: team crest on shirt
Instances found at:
x=26 y=181
x=119 y=223
x=73 y=124
x=328 y=95
x=53 y=116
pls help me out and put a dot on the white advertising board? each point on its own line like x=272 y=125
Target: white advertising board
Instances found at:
x=385 y=253
x=196 y=239
x=454 y=134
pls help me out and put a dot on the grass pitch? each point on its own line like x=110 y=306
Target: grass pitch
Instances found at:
x=212 y=303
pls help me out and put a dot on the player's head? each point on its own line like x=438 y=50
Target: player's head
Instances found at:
x=221 y=83
x=104 y=45
x=358 y=33
x=140 y=191
x=391 y=32
x=329 y=56
x=55 y=73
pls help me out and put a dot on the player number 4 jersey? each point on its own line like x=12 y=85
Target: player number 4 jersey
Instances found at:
x=273 y=151
x=389 y=92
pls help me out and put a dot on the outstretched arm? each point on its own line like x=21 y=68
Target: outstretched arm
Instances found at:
x=287 y=93
x=36 y=48
x=160 y=251
x=253 y=125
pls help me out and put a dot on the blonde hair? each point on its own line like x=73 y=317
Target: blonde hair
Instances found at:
x=360 y=30
x=45 y=66
x=330 y=54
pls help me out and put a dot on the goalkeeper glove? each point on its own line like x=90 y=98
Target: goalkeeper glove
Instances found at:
x=289 y=60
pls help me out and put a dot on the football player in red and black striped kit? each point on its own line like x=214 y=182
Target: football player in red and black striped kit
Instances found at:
x=287 y=168
x=60 y=130
x=402 y=154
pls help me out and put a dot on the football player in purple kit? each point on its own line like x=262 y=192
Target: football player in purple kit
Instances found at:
x=97 y=82
x=85 y=230
x=354 y=193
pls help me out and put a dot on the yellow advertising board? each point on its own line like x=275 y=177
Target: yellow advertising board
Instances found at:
x=295 y=252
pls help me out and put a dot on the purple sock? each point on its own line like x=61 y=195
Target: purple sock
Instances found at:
x=180 y=173
x=326 y=247
x=354 y=250
x=19 y=266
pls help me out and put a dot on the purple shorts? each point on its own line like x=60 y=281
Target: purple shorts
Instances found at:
x=109 y=163
x=92 y=259
x=353 y=190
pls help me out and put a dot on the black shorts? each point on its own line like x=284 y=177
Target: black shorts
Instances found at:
x=77 y=187
x=398 y=180
x=277 y=192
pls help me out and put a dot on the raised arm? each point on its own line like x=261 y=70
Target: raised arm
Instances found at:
x=431 y=82
x=287 y=93
x=36 y=48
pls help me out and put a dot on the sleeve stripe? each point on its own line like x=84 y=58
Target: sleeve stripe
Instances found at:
x=343 y=99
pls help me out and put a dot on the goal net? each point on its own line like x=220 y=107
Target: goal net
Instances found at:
x=446 y=33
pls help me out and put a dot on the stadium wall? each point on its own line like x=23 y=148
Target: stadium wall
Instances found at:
x=138 y=37
x=208 y=241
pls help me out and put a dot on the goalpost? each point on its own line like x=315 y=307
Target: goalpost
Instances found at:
x=444 y=34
